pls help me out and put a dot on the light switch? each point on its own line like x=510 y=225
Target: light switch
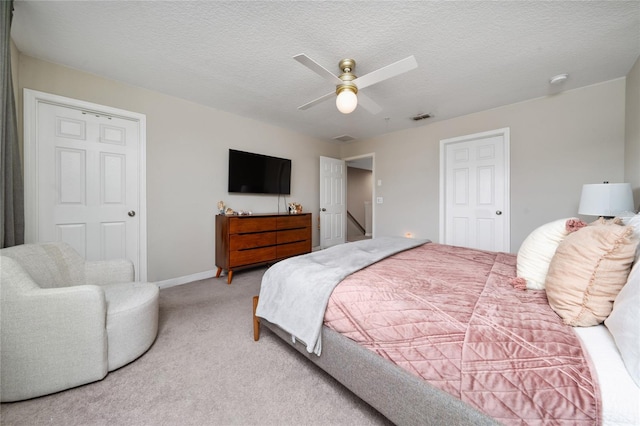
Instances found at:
x=379 y=200
x=379 y=182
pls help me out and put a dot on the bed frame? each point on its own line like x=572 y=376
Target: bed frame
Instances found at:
x=406 y=400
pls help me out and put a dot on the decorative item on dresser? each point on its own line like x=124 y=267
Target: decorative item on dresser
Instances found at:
x=257 y=239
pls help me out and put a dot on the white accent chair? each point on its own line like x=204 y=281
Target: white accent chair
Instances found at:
x=65 y=321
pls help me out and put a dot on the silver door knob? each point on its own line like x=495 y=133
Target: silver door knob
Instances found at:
x=323 y=209
x=131 y=213
x=498 y=212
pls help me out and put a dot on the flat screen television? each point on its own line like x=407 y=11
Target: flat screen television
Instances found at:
x=251 y=173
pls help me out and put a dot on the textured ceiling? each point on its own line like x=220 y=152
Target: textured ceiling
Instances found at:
x=237 y=56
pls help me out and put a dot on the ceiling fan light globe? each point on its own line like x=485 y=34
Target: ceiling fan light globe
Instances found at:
x=347 y=101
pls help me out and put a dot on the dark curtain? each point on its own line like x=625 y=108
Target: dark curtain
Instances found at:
x=11 y=188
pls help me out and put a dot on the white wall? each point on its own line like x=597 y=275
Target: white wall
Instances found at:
x=187 y=149
x=558 y=143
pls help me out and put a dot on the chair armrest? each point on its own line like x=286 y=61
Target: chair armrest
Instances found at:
x=102 y=272
x=52 y=339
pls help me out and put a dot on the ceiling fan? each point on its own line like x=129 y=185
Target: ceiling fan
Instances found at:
x=348 y=85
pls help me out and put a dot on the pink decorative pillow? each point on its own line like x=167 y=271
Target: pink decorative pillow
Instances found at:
x=588 y=270
x=602 y=221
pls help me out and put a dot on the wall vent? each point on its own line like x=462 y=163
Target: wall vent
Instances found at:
x=344 y=138
x=420 y=117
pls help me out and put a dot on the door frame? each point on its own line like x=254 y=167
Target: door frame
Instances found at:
x=371 y=155
x=505 y=134
x=30 y=110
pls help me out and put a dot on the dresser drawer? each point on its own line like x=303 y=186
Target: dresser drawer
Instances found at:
x=293 y=249
x=292 y=235
x=257 y=240
x=293 y=221
x=239 y=225
x=247 y=257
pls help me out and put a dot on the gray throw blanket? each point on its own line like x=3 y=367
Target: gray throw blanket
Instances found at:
x=295 y=292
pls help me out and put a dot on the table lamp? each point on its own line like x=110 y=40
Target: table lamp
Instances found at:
x=606 y=199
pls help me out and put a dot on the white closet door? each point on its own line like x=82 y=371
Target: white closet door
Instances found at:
x=86 y=182
x=475 y=191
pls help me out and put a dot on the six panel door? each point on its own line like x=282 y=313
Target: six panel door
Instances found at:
x=88 y=182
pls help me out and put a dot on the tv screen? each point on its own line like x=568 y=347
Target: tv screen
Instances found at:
x=258 y=174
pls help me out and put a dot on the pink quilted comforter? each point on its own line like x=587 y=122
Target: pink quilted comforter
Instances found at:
x=449 y=315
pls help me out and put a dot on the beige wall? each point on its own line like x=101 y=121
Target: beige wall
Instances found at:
x=558 y=143
x=632 y=132
x=187 y=149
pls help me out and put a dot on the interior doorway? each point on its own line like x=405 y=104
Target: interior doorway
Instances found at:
x=360 y=195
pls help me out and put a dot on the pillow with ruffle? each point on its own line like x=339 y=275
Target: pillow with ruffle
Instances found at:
x=624 y=323
x=610 y=221
x=587 y=272
x=538 y=249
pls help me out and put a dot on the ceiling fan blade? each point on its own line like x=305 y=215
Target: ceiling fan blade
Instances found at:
x=369 y=104
x=317 y=68
x=317 y=101
x=391 y=70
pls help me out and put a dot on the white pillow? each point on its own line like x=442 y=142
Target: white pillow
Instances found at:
x=634 y=221
x=537 y=250
x=624 y=323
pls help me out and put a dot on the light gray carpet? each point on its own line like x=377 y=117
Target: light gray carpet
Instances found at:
x=205 y=369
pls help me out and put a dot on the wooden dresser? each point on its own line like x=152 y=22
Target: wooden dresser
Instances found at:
x=260 y=238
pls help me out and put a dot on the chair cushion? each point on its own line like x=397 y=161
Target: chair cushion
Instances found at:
x=132 y=320
x=50 y=265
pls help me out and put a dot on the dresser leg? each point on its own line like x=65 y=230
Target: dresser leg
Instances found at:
x=256 y=320
x=229 y=275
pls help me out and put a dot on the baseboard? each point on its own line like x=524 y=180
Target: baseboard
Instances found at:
x=186 y=279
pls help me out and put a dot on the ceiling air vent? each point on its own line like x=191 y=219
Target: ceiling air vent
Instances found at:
x=344 y=138
x=421 y=117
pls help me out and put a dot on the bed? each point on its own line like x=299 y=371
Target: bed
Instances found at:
x=434 y=334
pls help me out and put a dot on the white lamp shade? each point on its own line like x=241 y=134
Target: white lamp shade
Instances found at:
x=346 y=101
x=606 y=199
